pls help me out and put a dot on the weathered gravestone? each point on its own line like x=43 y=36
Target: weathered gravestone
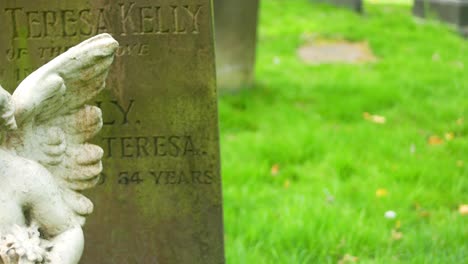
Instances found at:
x=236 y=39
x=355 y=5
x=159 y=200
x=451 y=11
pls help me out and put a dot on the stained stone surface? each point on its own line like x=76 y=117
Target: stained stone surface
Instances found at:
x=236 y=38
x=159 y=200
x=451 y=11
x=355 y=5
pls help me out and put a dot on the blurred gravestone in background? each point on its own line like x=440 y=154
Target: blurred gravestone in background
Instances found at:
x=335 y=51
x=451 y=11
x=236 y=37
x=355 y=5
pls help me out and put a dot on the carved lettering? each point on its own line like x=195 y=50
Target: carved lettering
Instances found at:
x=194 y=17
x=34 y=25
x=143 y=50
x=161 y=28
x=14 y=20
x=50 y=19
x=142 y=146
x=124 y=111
x=150 y=146
x=116 y=107
x=126 y=147
x=162 y=177
x=86 y=28
x=109 y=142
x=146 y=23
x=172 y=177
x=69 y=23
x=133 y=50
x=101 y=26
x=127 y=178
x=125 y=17
x=16 y=54
x=178 y=27
x=133 y=20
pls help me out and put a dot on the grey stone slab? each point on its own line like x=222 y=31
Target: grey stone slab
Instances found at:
x=451 y=11
x=336 y=52
x=159 y=200
x=236 y=38
x=355 y=5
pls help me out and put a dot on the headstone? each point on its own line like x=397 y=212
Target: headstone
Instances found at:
x=355 y=5
x=236 y=39
x=159 y=199
x=451 y=11
x=322 y=52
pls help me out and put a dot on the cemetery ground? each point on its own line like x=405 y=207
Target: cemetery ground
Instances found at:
x=315 y=156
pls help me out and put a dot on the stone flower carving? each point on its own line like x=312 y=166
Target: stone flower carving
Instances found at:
x=45 y=160
x=24 y=245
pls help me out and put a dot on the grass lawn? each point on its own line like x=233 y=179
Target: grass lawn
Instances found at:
x=308 y=179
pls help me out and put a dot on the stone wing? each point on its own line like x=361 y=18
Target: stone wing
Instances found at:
x=7 y=112
x=54 y=122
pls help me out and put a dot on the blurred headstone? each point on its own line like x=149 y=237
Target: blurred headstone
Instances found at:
x=236 y=38
x=355 y=5
x=321 y=52
x=451 y=11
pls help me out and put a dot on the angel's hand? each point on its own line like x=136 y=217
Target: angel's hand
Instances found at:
x=7 y=111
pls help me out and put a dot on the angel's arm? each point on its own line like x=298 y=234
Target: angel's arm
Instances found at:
x=55 y=219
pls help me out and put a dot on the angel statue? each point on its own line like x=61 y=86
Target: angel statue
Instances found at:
x=45 y=160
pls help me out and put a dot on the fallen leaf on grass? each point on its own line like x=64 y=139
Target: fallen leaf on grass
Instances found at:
x=379 y=119
x=396 y=235
x=275 y=169
x=463 y=209
x=347 y=258
x=424 y=214
x=286 y=184
x=460 y=163
x=374 y=118
x=398 y=225
x=381 y=193
x=435 y=140
x=449 y=136
x=460 y=121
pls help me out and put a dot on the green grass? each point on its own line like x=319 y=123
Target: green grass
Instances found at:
x=309 y=121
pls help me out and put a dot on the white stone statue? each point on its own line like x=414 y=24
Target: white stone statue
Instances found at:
x=45 y=161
